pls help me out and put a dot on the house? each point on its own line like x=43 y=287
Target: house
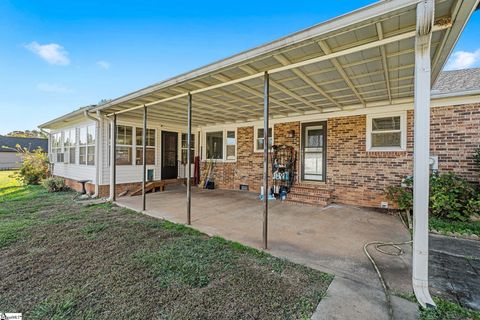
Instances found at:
x=10 y=158
x=352 y=96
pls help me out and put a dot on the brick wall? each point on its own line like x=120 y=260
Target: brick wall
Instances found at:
x=455 y=134
x=357 y=176
x=248 y=169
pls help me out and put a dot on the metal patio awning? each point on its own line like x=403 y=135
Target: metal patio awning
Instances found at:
x=358 y=60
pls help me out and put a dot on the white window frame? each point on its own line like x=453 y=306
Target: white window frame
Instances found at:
x=66 y=148
x=135 y=145
x=57 y=149
x=87 y=145
x=224 y=147
x=255 y=137
x=132 y=145
x=195 y=137
x=403 y=131
x=234 y=158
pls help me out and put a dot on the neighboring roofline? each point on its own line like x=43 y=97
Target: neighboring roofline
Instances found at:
x=67 y=116
x=357 y=16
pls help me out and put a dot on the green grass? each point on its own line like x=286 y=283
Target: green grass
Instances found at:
x=105 y=262
x=7 y=179
x=443 y=226
x=448 y=311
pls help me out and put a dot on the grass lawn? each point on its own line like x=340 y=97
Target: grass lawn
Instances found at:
x=62 y=260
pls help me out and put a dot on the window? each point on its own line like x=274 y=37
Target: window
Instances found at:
x=231 y=145
x=386 y=132
x=124 y=145
x=259 y=139
x=150 y=146
x=57 y=154
x=185 y=148
x=214 y=142
x=70 y=144
x=87 y=145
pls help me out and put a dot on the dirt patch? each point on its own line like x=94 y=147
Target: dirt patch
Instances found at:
x=104 y=262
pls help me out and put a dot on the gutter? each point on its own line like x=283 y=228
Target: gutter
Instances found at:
x=97 y=148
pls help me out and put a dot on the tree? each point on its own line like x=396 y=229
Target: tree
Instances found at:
x=27 y=134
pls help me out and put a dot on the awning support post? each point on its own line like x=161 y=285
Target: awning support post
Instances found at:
x=113 y=158
x=144 y=176
x=189 y=161
x=421 y=152
x=266 y=192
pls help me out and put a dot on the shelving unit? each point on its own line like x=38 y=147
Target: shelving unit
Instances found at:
x=283 y=169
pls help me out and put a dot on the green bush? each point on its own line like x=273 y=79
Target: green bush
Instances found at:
x=473 y=206
x=34 y=166
x=476 y=158
x=54 y=184
x=451 y=197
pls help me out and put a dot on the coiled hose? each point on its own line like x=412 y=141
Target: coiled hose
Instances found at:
x=378 y=246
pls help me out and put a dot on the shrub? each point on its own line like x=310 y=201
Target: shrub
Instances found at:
x=451 y=197
x=34 y=167
x=54 y=184
x=476 y=158
x=402 y=195
x=473 y=206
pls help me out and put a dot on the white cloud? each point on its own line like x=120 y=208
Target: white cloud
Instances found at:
x=463 y=60
x=52 y=53
x=103 y=64
x=53 y=88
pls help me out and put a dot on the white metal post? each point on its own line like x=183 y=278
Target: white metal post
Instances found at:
x=113 y=162
x=421 y=152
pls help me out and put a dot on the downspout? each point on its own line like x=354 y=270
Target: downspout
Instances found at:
x=97 y=147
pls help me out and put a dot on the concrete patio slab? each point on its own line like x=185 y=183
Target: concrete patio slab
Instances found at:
x=329 y=239
x=455 y=270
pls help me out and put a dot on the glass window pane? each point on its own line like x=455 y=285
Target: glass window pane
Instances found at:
x=82 y=155
x=150 y=137
x=124 y=135
x=214 y=145
x=150 y=156
x=83 y=136
x=124 y=155
x=387 y=139
x=71 y=155
x=91 y=134
x=260 y=138
x=315 y=138
x=387 y=123
x=231 y=138
x=91 y=156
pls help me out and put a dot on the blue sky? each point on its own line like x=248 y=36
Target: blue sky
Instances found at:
x=57 y=56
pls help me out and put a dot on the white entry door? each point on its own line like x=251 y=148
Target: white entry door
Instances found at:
x=313 y=151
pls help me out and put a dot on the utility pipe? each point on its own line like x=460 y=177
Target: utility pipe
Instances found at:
x=97 y=148
x=421 y=151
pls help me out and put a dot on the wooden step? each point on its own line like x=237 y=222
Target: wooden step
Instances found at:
x=157 y=185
